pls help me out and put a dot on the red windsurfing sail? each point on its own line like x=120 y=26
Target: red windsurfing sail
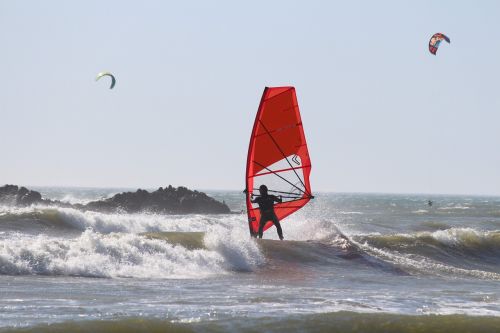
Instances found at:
x=278 y=156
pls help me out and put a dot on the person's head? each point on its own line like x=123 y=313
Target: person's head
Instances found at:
x=263 y=190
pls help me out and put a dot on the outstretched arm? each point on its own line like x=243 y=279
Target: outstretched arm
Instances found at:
x=278 y=199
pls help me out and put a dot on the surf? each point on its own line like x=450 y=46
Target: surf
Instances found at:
x=123 y=255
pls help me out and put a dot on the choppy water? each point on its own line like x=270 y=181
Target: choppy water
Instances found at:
x=351 y=262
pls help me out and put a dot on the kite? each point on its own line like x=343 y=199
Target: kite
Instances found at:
x=436 y=40
x=113 y=80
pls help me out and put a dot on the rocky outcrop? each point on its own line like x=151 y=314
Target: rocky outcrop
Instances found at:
x=19 y=196
x=168 y=200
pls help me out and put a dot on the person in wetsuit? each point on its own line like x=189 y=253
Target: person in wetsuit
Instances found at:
x=266 y=207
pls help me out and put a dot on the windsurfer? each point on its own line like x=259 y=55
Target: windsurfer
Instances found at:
x=266 y=207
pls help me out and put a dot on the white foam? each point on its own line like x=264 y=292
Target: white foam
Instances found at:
x=124 y=255
x=135 y=223
x=301 y=228
x=457 y=236
x=450 y=236
x=455 y=207
x=7 y=209
x=69 y=198
x=350 y=213
x=240 y=252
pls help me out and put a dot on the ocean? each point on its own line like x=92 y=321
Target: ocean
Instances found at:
x=349 y=263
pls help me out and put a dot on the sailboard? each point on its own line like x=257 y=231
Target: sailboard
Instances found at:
x=278 y=156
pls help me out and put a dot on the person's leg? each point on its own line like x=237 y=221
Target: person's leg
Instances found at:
x=278 y=226
x=262 y=223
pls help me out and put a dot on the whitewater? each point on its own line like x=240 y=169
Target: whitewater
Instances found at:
x=349 y=262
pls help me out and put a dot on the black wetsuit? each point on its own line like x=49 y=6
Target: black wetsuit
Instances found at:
x=266 y=207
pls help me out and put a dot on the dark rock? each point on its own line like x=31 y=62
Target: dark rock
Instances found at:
x=15 y=196
x=29 y=197
x=168 y=200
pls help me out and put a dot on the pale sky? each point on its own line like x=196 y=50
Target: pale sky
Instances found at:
x=381 y=114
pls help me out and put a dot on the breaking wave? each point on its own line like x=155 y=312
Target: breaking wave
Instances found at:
x=127 y=255
x=169 y=246
x=12 y=218
x=457 y=251
x=455 y=241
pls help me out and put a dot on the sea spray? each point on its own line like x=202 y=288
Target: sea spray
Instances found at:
x=239 y=250
x=317 y=229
